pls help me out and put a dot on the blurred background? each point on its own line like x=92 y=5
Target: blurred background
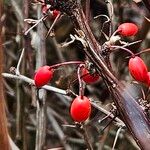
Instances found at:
x=21 y=96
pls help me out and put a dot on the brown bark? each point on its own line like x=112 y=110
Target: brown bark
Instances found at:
x=4 y=143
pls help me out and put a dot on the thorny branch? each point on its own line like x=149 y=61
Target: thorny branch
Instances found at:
x=130 y=111
x=124 y=101
x=61 y=92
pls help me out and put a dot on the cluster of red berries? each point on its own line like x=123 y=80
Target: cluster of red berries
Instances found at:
x=137 y=67
x=139 y=70
x=47 y=8
x=45 y=73
x=80 y=109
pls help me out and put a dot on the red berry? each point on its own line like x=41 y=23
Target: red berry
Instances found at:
x=148 y=81
x=138 y=69
x=43 y=75
x=127 y=29
x=55 y=13
x=80 y=109
x=87 y=77
x=45 y=8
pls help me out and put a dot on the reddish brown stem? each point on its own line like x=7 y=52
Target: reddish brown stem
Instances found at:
x=143 y=51
x=66 y=63
x=81 y=90
x=125 y=49
x=130 y=111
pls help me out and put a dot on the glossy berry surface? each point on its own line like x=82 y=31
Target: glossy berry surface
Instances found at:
x=138 y=69
x=127 y=29
x=80 y=109
x=87 y=77
x=42 y=76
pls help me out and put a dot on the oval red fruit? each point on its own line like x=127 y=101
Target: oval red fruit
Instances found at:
x=127 y=29
x=43 y=75
x=138 y=69
x=80 y=109
x=87 y=77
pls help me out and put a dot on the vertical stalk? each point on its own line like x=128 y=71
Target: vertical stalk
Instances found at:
x=21 y=98
x=19 y=116
x=86 y=138
x=41 y=94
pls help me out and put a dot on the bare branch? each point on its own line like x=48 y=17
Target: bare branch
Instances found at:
x=31 y=82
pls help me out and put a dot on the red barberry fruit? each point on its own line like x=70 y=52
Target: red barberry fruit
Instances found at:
x=55 y=13
x=43 y=75
x=87 y=77
x=138 y=69
x=80 y=109
x=127 y=29
x=45 y=8
x=148 y=80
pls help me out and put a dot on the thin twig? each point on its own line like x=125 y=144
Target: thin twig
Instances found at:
x=58 y=148
x=50 y=29
x=107 y=116
x=58 y=51
x=86 y=137
x=38 y=21
x=111 y=12
x=103 y=25
x=19 y=114
x=81 y=90
x=31 y=82
x=121 y=47
x=67 y=63
x=116 y=138
x=143 y=51
x=120 y=122
x=129 y=44
x=65 y=44
x=19 y=62
x=57 y=129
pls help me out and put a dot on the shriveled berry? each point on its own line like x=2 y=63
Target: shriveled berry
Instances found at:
x=43 y=75
x=89 y=78
x=138 y=69
x=80 y=109
x=127 y=29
